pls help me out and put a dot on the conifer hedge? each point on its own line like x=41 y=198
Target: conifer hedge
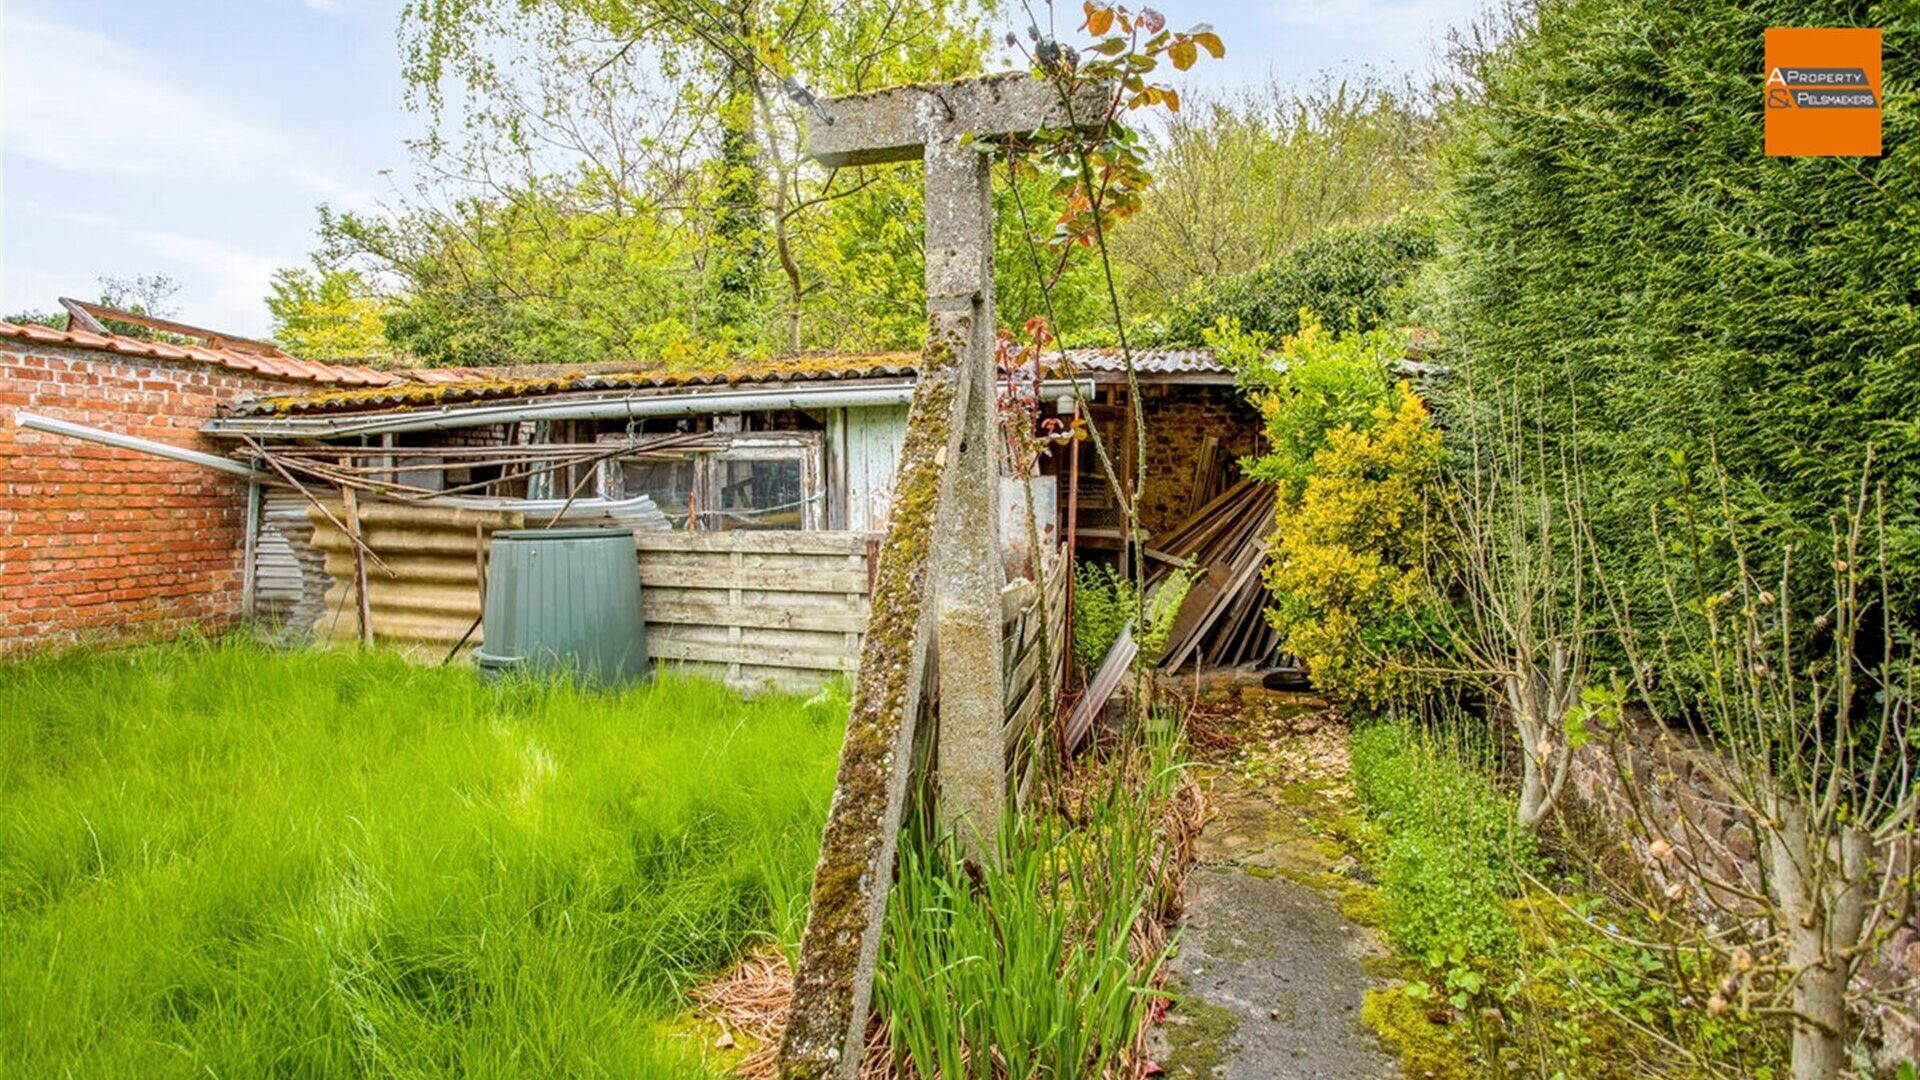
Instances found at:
x=1616 y=241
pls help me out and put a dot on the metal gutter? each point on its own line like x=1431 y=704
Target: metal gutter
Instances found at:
x=616 y=407
x=133 y=442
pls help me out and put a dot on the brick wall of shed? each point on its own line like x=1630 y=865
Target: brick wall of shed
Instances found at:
x=1178 y=419
x=99 y=543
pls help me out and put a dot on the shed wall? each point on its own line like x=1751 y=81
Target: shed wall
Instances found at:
x=103 y=543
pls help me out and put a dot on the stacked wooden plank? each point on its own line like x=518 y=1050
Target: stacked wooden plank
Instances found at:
x=1223 y=622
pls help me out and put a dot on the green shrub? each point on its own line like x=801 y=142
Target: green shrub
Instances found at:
x=1356 y=461
x=1352 y=278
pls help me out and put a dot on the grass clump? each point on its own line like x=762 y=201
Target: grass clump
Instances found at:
x=220 y=860
x=1041 y=965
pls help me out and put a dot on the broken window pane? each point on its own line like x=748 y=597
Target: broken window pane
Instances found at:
x=760 y=494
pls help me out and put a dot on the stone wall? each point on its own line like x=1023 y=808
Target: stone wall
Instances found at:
x=1178 y=419
x=97 y=542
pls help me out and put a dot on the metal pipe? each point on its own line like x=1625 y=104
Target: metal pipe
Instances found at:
x=133 y=442
x=624 y=406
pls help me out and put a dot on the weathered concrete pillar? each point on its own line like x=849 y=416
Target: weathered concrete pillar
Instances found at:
x=940 y=572
x=968 y=570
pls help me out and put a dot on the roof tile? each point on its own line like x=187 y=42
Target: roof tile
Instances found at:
x=273 y=366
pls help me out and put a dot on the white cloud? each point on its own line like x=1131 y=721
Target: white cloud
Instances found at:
x=240 y=277
x=84 y=103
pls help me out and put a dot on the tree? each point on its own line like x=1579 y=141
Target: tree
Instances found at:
x=326 y=313
x=713 y=162
x=1243 y=180
x=1356 y=277
x=142 y=294
x=1804 y=728
x=1517 y=580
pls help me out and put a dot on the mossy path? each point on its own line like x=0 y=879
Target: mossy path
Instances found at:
x=1273 y=959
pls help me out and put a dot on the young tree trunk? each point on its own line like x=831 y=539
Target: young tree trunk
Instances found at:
x=1820 y=881
x=739 y=222
x=1539 y=702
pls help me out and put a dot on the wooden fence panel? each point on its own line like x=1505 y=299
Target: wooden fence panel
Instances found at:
x=1025 y=619
x=785 y=610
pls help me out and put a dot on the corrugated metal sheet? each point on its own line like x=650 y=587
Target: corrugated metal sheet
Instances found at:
x=497 y=387
x=1196 y=361
x=433 y=595
x=289 y=573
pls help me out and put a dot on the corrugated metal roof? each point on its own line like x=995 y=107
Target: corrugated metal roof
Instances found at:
x=509 y=383
x=1195 y=361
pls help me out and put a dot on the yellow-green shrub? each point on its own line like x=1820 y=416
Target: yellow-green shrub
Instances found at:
x=1356 y=461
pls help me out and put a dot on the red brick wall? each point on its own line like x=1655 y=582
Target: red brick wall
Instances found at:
x=103 y=543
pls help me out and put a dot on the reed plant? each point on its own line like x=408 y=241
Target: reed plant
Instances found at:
x=1044 y=963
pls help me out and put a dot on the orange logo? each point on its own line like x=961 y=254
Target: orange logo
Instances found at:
x=1823 y=92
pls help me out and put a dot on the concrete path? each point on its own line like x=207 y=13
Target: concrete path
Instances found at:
x=1269 y=969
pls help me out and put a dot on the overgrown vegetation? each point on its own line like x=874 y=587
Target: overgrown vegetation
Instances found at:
x=1673 y=513
x=1447 y=843
x=1357 y=277
x=220 y=860
x=1105 y=602
x=1619 y=247
x=1356 y=461
x=1515 y=960
x=1044 y=964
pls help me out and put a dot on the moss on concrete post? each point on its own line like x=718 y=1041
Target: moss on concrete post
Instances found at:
x=834 y=982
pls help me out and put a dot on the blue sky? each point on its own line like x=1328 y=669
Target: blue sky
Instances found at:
x=195 y=138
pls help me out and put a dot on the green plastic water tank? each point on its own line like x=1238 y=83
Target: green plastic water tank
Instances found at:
x=564 y=600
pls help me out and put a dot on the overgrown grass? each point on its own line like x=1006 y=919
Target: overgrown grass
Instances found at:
x=216 y=860
x=1040 y=967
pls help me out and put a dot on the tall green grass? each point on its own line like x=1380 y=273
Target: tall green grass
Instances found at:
x=217 y=860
